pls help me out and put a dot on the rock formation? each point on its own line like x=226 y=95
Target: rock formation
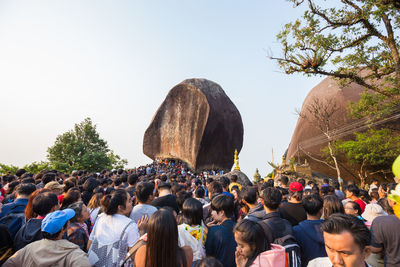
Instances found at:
x=198 y=124
x=305 y=144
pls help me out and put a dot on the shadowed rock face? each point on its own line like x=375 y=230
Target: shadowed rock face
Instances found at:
x=198 y=124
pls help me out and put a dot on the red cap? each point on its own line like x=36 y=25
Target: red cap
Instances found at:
x=295 y=187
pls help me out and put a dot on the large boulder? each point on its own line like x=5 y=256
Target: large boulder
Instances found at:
x=307 y=140
x=198 y=124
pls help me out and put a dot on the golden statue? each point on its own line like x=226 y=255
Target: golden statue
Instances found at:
x=257 y=176
x=236 y=160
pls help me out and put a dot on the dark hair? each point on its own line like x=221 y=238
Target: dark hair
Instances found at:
x=327 y=190
x=312 y=204
x=117 y=181
x=253 y=234
x=326 y=181
x=181 y=196
x=90 y=184
x=249 y=194
x=111 y=202
x=71 y=197
x=28 y=180
x=162 y=247
x=192 y=212
x=20 y=172
x=199 y=192
x=365 y=196
x=25 y=189
x=223 y=202
x=143 y=191
x=332 y=205
x=339 y=223
x=44 y=202
x=383 y=202
x=284 y=180
x=234 y=178
x=298 y=195
x=374 y=194
x=67 y=185
x=215 y=188
x=77 y=207
x=55 y=235
x=48 y=177
x=175 y=188
x=302 y=181
x=336 y=185
x=353 y=189
x=355 y=206
x=272 y=198
x=224 y=181
x=209 y=262
x=132 y=179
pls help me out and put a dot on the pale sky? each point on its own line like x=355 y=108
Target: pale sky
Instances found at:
x=115 y=61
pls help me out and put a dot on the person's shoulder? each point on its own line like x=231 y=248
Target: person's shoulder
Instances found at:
x=320 y=262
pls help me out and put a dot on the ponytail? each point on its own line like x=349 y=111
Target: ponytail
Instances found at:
x=111 y=201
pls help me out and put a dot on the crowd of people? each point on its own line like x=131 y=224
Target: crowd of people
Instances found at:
x=162 y=215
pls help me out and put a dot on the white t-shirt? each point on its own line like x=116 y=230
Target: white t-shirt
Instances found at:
x=93 y=214
x=108 y=229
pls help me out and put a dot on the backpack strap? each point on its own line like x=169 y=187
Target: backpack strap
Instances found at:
x=126 y=227
x=267 y=231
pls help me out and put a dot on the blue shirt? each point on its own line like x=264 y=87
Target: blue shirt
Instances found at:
x=18 y=206
x=221 y=244
x=310 y=239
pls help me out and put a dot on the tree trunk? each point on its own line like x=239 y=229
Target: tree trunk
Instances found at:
x=334 y=159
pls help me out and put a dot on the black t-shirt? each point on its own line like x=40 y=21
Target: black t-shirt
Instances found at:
x=386 y=234
x=293 y=212
x=166 y=201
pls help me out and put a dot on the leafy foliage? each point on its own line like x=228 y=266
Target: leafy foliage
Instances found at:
x=352 y=40
x=82 y=148
x=377 y=148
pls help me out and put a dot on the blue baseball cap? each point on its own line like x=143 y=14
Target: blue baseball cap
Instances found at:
x=55 y=221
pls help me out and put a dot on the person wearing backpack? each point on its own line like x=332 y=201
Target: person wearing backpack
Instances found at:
x=277 y=229
x=253 y=247
x=220 y=242
x=42 y=204
x=308 y=233
x=12 y=214
x=113 y=232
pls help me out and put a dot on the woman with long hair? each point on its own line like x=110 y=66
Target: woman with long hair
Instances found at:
x=162 y=248
x=94 y=207
x=253 y=248
x=114 y=233
x=332 y=204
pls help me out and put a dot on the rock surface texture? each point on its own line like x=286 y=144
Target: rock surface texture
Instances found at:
x=305 y=143
x=198 y=124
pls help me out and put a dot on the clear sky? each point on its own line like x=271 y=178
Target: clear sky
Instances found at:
x=115 y=61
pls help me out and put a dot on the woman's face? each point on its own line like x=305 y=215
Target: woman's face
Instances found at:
x=348 y=209
x=128 y=204
x=243 y=248
x=235 y=194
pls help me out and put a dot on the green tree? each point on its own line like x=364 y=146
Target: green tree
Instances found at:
x=352 y=40
x=373 y=151
x=82 y=148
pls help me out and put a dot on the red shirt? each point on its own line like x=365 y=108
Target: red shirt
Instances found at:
x=361 y=203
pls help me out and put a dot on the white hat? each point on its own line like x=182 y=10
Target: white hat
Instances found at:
x=372 y=211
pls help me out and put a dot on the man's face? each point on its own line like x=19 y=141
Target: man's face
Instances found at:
x=343 y=251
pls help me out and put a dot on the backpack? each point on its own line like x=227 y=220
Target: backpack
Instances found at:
x=13 y=220
x=109 y=255
x=292 y=249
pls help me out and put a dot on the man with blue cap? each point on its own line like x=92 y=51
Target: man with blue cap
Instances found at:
x=52 y=250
